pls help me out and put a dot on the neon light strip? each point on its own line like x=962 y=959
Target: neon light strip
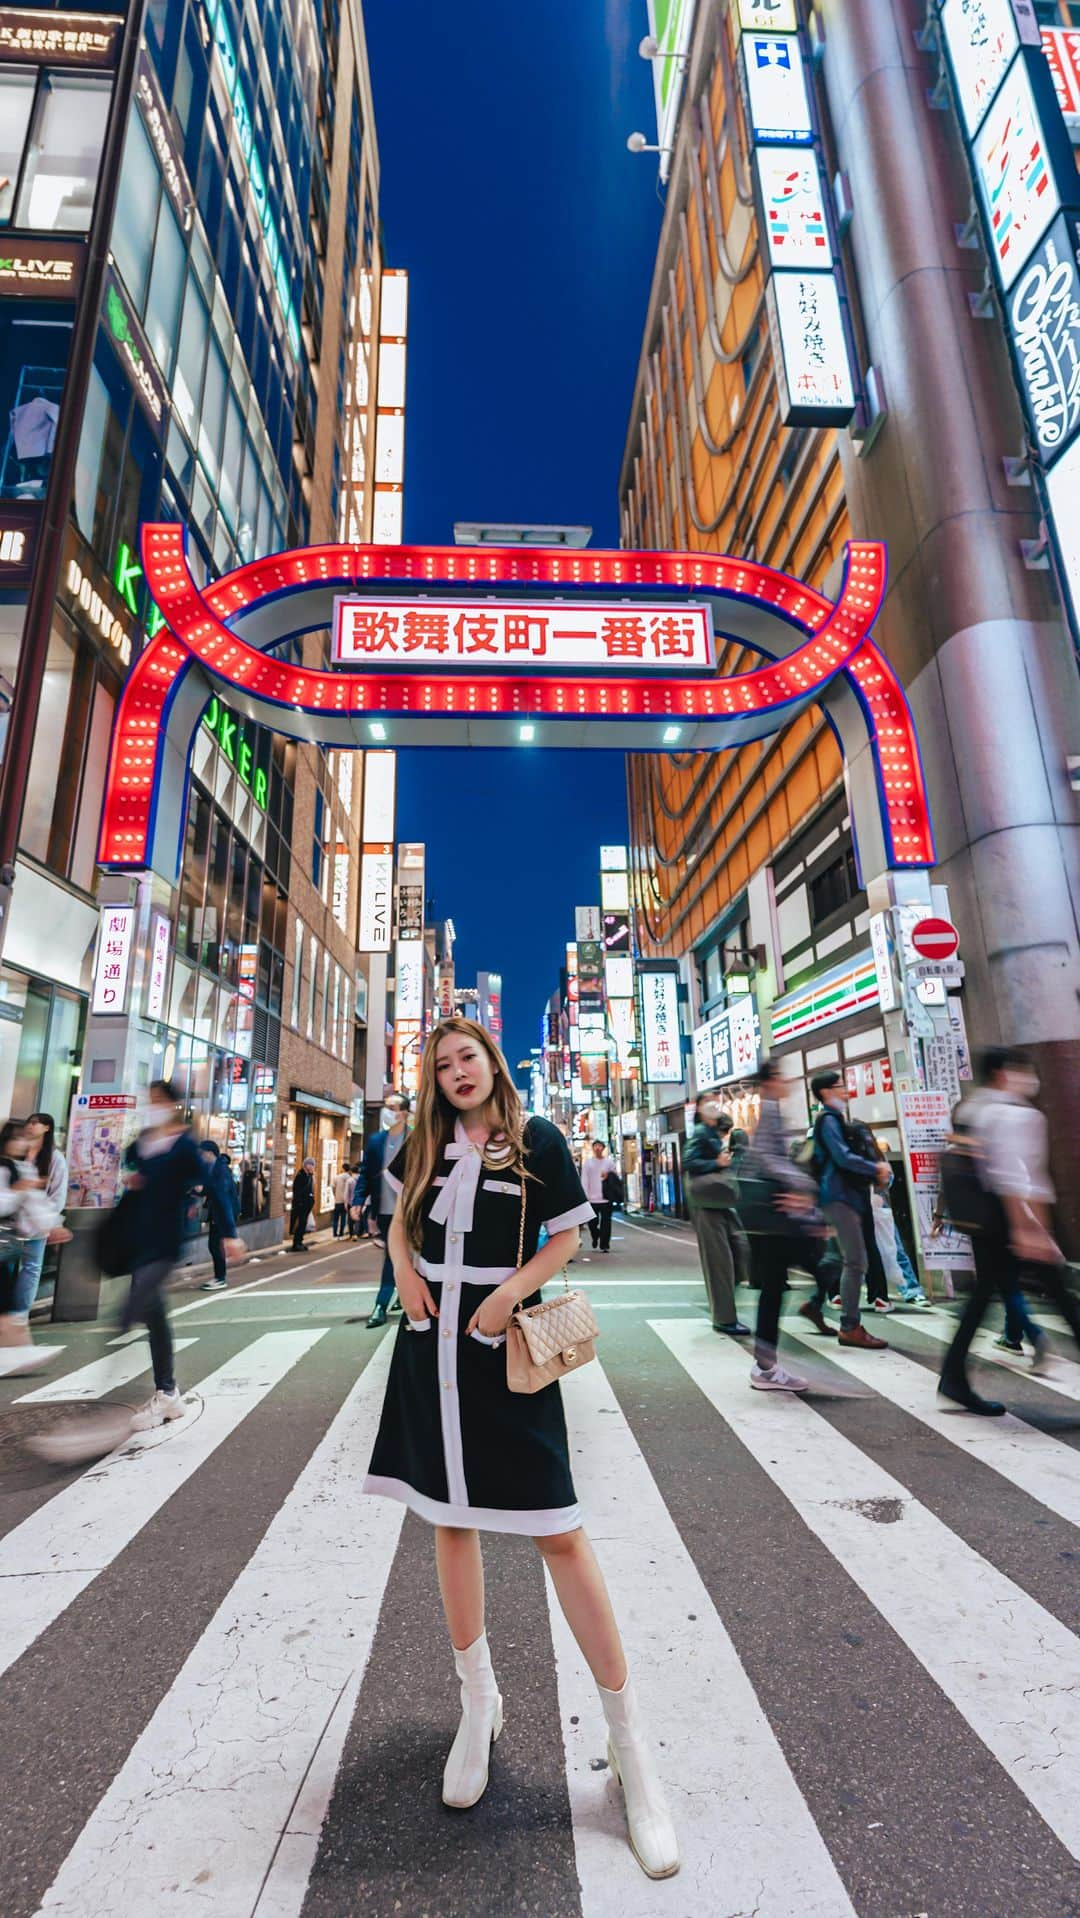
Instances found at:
x=838 y=641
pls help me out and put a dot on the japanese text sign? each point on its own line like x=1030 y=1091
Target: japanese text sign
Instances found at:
x=488 y=635
x=761 y=16
x=660 y=1031
x=113 y=959
x=1013 y=169
x=982 y=37
x=1061 y=46
x=159 y=967
x=812 y=369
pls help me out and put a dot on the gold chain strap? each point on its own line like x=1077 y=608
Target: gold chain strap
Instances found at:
x=521 y=1239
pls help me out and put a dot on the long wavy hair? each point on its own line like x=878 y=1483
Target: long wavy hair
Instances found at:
x=433 y=1127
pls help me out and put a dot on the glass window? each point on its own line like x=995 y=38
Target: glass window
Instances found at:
x=92 y=439
x=166 y=290
x=69 y=766
x=34 y=343
x=57 y=193
x=49 y=745
x=213 y=412
x=16 y=104
x=217 y=879
x=62 y=1053
x=132 y=236
x=188 y=380
x=298 y=967
x=231 y=462
x=189 y=912
x=93 y=789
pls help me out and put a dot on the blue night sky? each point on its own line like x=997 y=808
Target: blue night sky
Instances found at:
x=529 y=233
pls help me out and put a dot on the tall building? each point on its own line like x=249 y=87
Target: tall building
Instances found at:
x=855 y=144
x=190 y=329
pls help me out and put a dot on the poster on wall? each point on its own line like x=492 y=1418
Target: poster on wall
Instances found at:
x=927 y=1124
x=99 y=1128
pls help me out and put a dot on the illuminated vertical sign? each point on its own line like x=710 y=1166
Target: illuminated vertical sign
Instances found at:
x=113 y=959
x=661 y=1039
x=158 y=970
x=377 y=857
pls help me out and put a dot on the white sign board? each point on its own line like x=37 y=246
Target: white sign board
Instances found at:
x=766 y=16
x=779 y=104
x=926 y=1123
x=619 y=975
x=1014 y=174
x=159 y=967
x=884 y=971
x=793 y=206
x=1044 y=319
x=380 y=771
x=98 y=1131
x=727 y=1047
x=812 y=370
x=376 y=898
x=489 y=635
x=587 y=922
x=660 y=1031
x=982 y=39
x=112 y=961
x=613 y=859
x=1063 y=492
x=409 y=980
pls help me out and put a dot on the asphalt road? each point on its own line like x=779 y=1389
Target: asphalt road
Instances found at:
x=224 y=1679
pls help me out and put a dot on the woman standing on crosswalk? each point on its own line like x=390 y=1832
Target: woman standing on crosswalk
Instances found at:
x=454 y=1443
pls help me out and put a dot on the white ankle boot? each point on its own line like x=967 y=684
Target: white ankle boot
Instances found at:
x=466 y=1774
x=652 y=1834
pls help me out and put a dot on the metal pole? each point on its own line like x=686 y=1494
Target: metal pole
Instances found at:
x=30 y=675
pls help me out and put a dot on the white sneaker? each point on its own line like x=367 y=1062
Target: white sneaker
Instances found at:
x=159 y=1410
x=1042 y=1357
x=775 y=1379
x=883 y=1305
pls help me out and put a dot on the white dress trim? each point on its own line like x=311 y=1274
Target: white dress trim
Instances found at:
x=578 y=1215
x=482 y=1518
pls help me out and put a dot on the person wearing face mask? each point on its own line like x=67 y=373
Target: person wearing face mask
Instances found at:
x=375 y=1191
x=477 y=1181
x=712 y=1192
x=846 y=1177
x=1010 y=1140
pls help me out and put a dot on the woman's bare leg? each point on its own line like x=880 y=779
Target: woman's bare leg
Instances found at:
x=583 y=1595
x=461 y=1582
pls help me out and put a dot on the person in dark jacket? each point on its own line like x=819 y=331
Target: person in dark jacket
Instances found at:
x=219 y=1190
x=712 y=1192
x=845 y=1180
x=303 y=1199
x=378 y=1195
x=163 y=1168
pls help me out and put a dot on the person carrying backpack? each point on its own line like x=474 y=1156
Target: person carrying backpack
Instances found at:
x=845 y=1180
x=997 y=1188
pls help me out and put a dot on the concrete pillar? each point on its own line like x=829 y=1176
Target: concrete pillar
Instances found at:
x=980 y=642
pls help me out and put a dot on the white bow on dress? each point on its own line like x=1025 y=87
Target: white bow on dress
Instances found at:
x=456 y=1200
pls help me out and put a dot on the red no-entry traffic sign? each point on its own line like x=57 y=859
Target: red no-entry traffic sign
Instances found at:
x=935 y=938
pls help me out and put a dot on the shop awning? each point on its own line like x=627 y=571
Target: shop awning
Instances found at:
x=317 y=1103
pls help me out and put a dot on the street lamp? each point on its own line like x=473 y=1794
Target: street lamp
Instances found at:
x=637 y=143
x=650 y=49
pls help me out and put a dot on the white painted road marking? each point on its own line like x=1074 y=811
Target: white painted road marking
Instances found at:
x=48 y=1560
x=222 y=1799
x=730 y=1786
x=1063 y=1375
x=95 y=1380
x=1012 y=1671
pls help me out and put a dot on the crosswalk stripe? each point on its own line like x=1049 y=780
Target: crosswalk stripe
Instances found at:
x=1035 y=1463
x=94 y=1380
x=1015 y=1677
x=730 y=1793
x=1063 y=1375
x=222 y=1798
x=48 y=1560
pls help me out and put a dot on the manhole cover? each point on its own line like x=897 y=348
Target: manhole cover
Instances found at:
x=73 y=1432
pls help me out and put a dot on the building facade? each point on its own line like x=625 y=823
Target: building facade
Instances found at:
x=744 y=867
x=231 y=384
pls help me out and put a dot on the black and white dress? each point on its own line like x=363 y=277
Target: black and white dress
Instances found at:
x=454 y=1442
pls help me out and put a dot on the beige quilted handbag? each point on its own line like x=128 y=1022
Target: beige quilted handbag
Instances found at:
x=544 y=1342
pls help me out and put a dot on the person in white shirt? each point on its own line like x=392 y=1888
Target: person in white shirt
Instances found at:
x=598 y=1165
x=341 y=1203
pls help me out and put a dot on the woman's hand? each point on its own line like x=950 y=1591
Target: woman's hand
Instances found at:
x=416 y=1300
x=494 y=1315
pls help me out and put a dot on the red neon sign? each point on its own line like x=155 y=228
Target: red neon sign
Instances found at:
x=837 y=641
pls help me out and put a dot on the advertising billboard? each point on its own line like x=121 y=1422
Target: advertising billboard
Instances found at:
x=813 y=375
x=1043 y=312
x=661 y=1041
x=792 y=208
x=778 y=101
x=1015 y=174
x=484 y=635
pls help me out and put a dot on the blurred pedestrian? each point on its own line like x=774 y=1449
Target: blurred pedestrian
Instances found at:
x=845 y=1179
x=778 y=1205
x=27 y=1214
x=219 y=1188
x=303 y=1200
x=888 y=1238
x=164 y=1167
x=1008 y=1141
x=340 y=1224
x=378 y=1193
x=455 y=1443
x=596 y=1166
x=40 y=1134
x=712 y=1193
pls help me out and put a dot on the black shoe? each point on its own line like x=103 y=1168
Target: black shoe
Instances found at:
x=214 y=1285
x=968 y=1400
x=736 y=1331
x=1009 y=1345
x=395 y=1304
x=377 y=1318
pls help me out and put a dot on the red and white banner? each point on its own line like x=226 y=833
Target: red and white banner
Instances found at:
x=488 y=635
